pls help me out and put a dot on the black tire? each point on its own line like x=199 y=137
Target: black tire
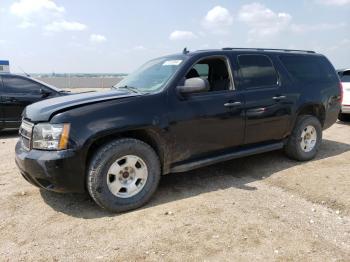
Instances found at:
x=293 y=147
x=102 y=161
x=344 y=117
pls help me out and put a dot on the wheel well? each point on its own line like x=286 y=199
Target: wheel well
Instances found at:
x=149 y=137
x=314 y=110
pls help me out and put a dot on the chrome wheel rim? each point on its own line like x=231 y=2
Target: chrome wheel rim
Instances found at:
x=127 y=176
x=308 y=139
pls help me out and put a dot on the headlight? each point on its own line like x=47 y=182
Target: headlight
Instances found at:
x=51 y=136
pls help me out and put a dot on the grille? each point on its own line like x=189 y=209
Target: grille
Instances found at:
x=25 y=132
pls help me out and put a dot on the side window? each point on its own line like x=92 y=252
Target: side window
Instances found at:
x=215 y=70
x=202 y=69
x=257 y=71
x=309 y=69
x=13 y=84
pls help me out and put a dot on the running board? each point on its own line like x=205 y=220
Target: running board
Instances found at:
x=221 y=158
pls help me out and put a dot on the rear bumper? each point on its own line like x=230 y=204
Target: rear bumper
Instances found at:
x=345 y=109
x=59 y=171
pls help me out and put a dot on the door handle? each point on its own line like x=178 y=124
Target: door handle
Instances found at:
x=279 y=97
x=232 y=104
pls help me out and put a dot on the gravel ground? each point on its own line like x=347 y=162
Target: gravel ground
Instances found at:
x=264 y=207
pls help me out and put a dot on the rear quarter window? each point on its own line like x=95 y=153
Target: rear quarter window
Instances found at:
x=309 y=69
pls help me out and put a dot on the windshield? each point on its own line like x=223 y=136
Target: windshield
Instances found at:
x=152 y=76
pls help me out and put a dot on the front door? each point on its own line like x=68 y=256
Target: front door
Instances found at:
x=267 y=108
x=207 y=122
x=18 y=93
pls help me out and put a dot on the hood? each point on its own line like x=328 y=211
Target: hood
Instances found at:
x=43 y=110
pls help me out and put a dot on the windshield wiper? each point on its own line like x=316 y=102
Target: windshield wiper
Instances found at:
x=130 y=88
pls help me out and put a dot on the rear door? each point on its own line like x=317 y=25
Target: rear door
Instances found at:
x=266 y=112
x=18 y=92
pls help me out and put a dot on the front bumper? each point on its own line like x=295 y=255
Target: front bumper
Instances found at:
x=345 y=109
x=60 y=171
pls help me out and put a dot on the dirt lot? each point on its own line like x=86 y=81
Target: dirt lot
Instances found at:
x=264 y=207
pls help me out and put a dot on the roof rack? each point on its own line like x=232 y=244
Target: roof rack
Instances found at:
x=270 y=49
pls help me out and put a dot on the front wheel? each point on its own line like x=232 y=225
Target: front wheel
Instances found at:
x=123 y=175
x=305 y=139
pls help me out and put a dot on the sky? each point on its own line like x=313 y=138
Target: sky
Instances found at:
x=105 y=36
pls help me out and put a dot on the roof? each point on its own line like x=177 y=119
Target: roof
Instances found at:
x=258 y=50
x=12 y=74
x=270 y=50
x=250 y=50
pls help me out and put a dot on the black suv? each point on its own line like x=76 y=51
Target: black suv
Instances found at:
x=175 y=114
x=16 y=92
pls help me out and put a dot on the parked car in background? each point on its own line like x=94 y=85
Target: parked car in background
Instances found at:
x=345 y=80
x=16 y=92
x=175 y=114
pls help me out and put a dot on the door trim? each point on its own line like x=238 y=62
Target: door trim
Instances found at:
x=224 y=157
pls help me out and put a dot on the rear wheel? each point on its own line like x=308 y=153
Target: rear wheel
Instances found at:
x=123 y=175
x=305 y=139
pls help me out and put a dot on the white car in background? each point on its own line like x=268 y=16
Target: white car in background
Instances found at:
x=345 y=79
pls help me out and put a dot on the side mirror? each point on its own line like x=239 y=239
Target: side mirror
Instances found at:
x=44 y=93
x=194 y=85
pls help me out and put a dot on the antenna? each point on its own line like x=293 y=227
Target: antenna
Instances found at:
x=20 y=68
x=185 y=51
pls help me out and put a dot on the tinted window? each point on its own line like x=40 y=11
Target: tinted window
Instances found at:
x=346 y=77
x=257 y=71
x=20 y=85
x=309 y=69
